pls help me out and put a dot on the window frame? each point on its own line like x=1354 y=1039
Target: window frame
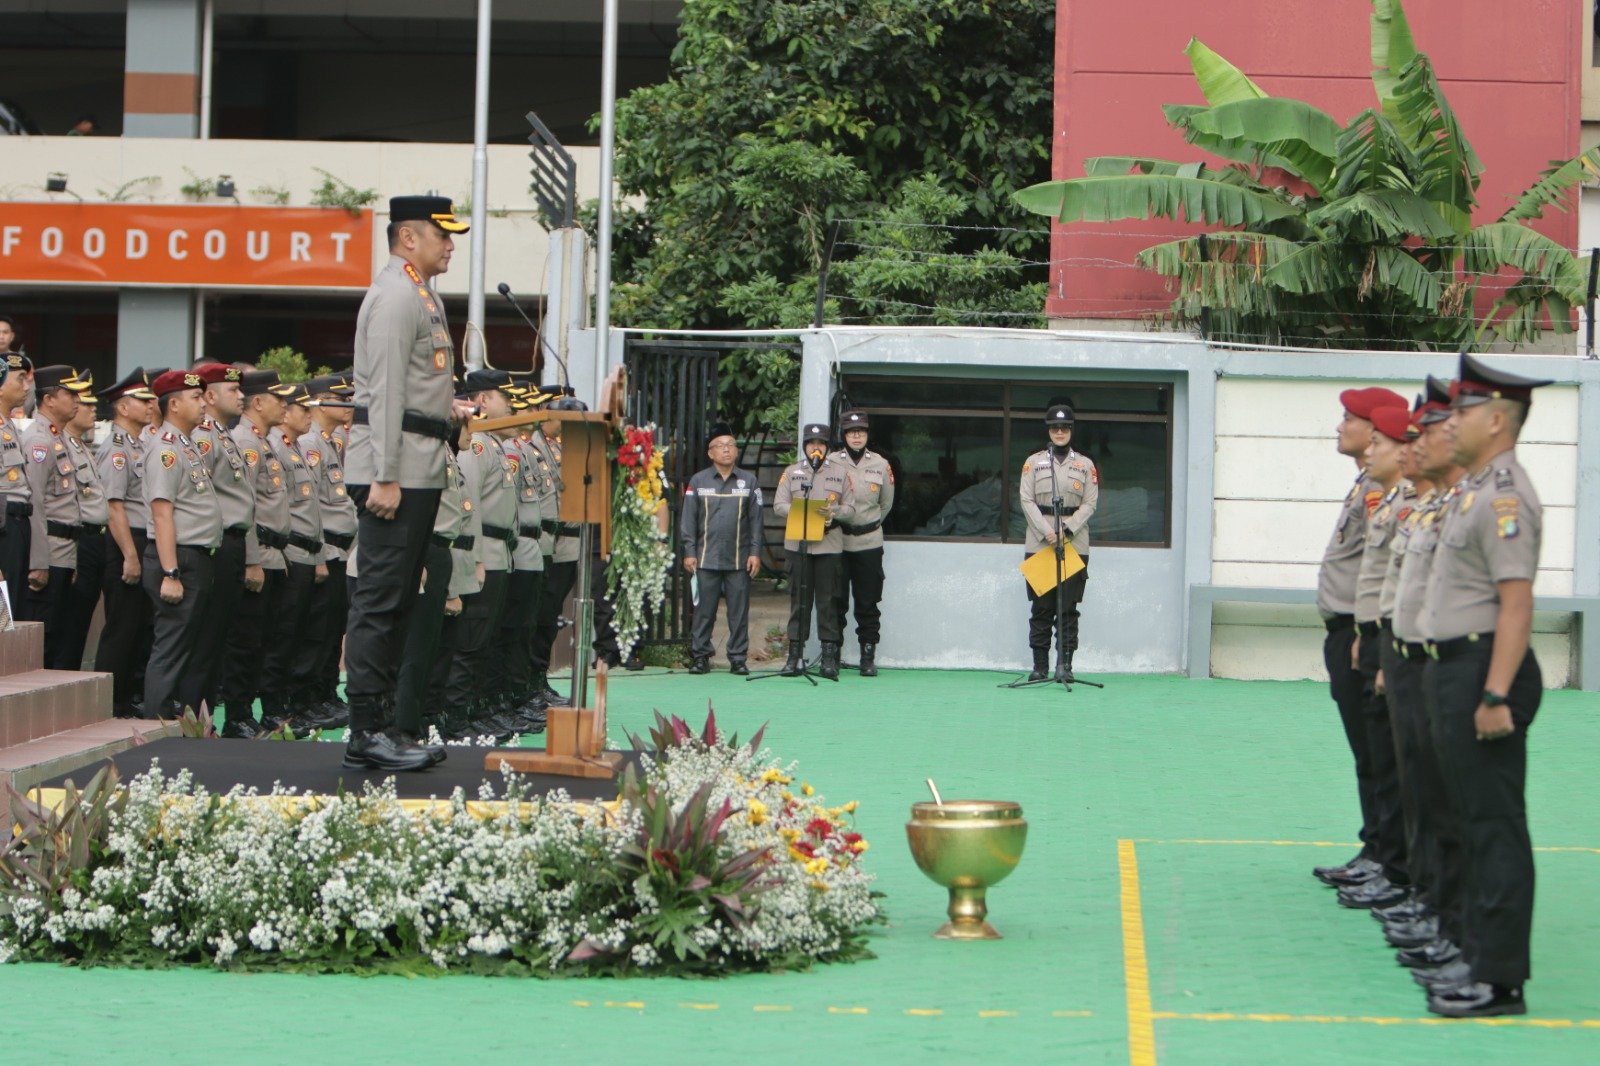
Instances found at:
x=1165 y=392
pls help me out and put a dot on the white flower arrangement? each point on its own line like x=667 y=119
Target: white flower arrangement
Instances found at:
x=528 y=884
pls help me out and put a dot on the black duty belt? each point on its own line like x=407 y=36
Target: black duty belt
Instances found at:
x=64 y=530
x=441 y=541
x=500 y=533
x=1339 y=622
x=412 y=422
x=305 y=543
x=530 y=532
x=237 y=532
x=1411 y=651
x=861 y=531
x=1449 y=649
x=1367 y=629
x=464 y=544
x=271 y=538
x=204 y=549
x=20 y=508
x=342 y=541
x=550 y=526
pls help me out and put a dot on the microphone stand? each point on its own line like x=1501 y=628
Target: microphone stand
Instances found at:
x=1061 y=676
x=803 y=587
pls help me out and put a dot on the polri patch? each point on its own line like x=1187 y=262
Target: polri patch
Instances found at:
x=38 y=453
x=168 y=459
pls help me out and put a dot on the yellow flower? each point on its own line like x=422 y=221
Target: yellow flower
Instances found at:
x=789 y=834
x=774 y=776
x=850 y=808
x=859 y=846
x=787 y=795
x=817 y=867
x=807 y=790
x=757 y=812
x=820 y=886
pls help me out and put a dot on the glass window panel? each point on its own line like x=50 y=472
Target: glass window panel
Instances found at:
x=1132 y=461
x=948 y=474
x=946 y=393
x=1028 y=398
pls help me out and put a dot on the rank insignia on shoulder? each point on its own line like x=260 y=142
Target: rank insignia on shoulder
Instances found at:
x=1506 y=505
x=1504 y=478
x=169 y=436
x=168 y=459
x=1507 y=526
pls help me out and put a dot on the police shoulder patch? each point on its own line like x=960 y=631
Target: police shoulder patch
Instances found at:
x=168 y=459
x=119 y=461
x=251 y=456
x=313 y=456
x=38 y=453
x=1373 y=498
x=204 y=444
x=477 y=447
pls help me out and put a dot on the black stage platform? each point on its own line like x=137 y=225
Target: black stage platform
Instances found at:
x=312 y=765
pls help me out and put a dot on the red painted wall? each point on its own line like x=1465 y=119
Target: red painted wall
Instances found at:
x=1511 y=70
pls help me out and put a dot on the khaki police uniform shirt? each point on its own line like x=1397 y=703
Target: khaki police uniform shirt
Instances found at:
x=871 y=496
x=1417 y=549
x=831 y=482
x=490 y=480
x=1491 y=534
x=305 y=515
x=53 y=479
x=91 y=491
x=1405 y=519
x=175 y=471
x=1376 y=552
x=266 y=477
x=121 y=465
x=13 y=463
x=231 y=478
x=528 y=554
x=403 y=362
x=457 y=519
x=1078 y=482
x=567 y=545
x=548 y=475
x=1336 y=580
x=324 y=454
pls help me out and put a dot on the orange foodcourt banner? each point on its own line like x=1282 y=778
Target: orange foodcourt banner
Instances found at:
x=205 y=245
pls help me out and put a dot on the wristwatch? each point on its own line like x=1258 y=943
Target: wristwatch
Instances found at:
x=174 y=573
x=1493 y=699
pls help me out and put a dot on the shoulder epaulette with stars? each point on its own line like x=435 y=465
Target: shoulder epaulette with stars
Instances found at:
x=169 y=436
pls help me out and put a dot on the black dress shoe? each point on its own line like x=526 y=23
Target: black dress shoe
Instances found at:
x=700 y=665
x=738 y=666
x=633 y=662
x=1357 y=871
x=1378 y=892
x=530 y=718
x=1412 y=934
x=378 y=750
x=1407 y=910
x=551 y=697
x=242 y=729
x=1478 y=999
x=436 y=752
x=1429 y=956
x=1450 y=975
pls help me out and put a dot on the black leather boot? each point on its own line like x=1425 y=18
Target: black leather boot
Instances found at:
x=1064 y=667
x=869 y=657
x=791 y=666
x=830 y=662
x=1041 y=664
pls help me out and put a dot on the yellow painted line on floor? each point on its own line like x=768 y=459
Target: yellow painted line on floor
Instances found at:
x=997 y=1014
x=1319 y=844
x=1072 y=1014
x=1135 y=967
x=1339 y=1019
x=626 y=1004
x=847 y=1010
x=764 y=1007
x=699 y=1006
x=924 y=1012
x=580 y=1003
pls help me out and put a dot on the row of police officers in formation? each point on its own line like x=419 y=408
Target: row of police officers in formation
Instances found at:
x=838 y=565
x=214 y=519
x=1426 y=589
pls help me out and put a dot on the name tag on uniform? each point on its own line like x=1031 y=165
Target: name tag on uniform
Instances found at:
x=739 y=492
x=1042 y=464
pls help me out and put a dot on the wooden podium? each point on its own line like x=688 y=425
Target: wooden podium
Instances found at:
x=575 y=737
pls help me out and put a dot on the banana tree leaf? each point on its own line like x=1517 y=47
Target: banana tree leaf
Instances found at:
x=1220 y=81
x=1399 y=273
x=1290 y=134
x=1554 y=187
x=1370 y=154
x=1156 y=195
x=1449 y=169
x=1496 y=245
x=1392 y=48
x=1382 y=215
x=1107 y=166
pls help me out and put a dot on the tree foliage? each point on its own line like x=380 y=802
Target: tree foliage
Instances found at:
x=1371 y=245
x=784 y=117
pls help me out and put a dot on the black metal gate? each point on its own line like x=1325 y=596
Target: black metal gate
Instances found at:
x=673 y=383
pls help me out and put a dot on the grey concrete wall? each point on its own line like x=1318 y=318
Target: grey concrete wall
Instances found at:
x=155 y=328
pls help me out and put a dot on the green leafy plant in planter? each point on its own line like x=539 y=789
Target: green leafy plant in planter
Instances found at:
x=336 y=192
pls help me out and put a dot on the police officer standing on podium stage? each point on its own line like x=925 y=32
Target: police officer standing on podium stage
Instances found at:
x=815 y=576
x=1058 y=471
x=185 y=529
x=323 y=449
x=15 y=493
x=127 y=608
x=1484 y=684
x=395 y=465
x=52 y=479
x=233 y=483
x=720 y=529
x=872 y=497
x=89 y=565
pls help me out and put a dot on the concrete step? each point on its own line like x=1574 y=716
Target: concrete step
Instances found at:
x=22 y=648
x=38 y=703
x=25 y=765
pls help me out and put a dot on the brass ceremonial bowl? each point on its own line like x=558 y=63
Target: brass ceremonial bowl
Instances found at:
x=966 y=846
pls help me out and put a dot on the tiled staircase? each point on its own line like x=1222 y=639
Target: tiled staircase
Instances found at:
x=55 y=721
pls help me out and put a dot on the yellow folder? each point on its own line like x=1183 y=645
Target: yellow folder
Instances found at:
x=1038 y=567
x=807 y=520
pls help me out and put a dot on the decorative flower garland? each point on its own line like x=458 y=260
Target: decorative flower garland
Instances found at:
x=712 y=862
x=640 y=555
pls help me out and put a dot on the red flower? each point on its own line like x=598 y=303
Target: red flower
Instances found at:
x=852 y=838
x=805 y=847
x=819 y=828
